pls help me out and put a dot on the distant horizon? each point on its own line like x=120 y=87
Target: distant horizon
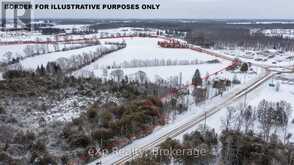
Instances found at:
x=200 y=19
x=177 y=9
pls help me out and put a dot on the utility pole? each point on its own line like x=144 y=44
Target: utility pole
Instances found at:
x=181 y=75
x=205 y=120
x=245 y=100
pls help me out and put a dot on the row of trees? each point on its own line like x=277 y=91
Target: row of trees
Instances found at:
x=76 y=62
x=240 y=142
x=257 y=135
x=62 y=65
x=224 y=37
x=135 y=63
x=39 y=49
x=270 y=117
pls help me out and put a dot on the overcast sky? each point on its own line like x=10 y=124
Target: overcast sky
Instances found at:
x=190 y=9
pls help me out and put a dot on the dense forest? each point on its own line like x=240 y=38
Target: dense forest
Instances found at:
x=209 y=33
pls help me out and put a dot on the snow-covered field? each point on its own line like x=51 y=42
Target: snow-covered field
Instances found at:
x=147 y=49
x=268 y=57
x=34 y=62
x=19 y=51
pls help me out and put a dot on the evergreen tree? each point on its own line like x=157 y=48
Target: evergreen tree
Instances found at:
x=244 y=67
x=41 y=70
x=197 y=80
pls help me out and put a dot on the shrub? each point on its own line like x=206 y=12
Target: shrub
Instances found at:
x=102 y=134
x=24 y=138
x=2 y=110
x=91 y=113
x=17 y=74
x=39 y=147
x=105 y=117
x=156 y=101
x=79 y=140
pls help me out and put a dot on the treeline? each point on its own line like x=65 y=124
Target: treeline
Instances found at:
x=257 y=135
x=78 y=61
x=239 y=143
x=196 y=148
x=61 y=65
x=209 y=33
x=231 y=38
x=135 y=63
x=40 y=49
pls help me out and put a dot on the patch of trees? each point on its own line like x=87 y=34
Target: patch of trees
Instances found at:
x=51 y=69
x=10 y=59
x=270 y=117
x=35 y=85
x=203 y=87
x=221 y=85
x=273 y=116
x=224 y=37
x=177 y=104
x=50 y=31
x=244 y=67
x=242 y=149
x=10 y=74
x=40 y=49
x=240 y=143
x=114 y=126
x=197 y=148
x=61 y=66
x=24 y=148
x=136 y=63
x=78 y=61
x=135 y=116
x=32 y=92
x=208 y=33
x=2 y=110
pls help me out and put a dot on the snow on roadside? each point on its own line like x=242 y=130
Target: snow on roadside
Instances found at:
x=286 y=93
x=193 y=112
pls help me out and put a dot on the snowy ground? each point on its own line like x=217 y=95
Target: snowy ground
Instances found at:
x=193 y=112
x=19 y=50
x=71 y=108
x=147 y=49
x=285 y=33
x=286 y=93
x=267 y=57
x=34 y=62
